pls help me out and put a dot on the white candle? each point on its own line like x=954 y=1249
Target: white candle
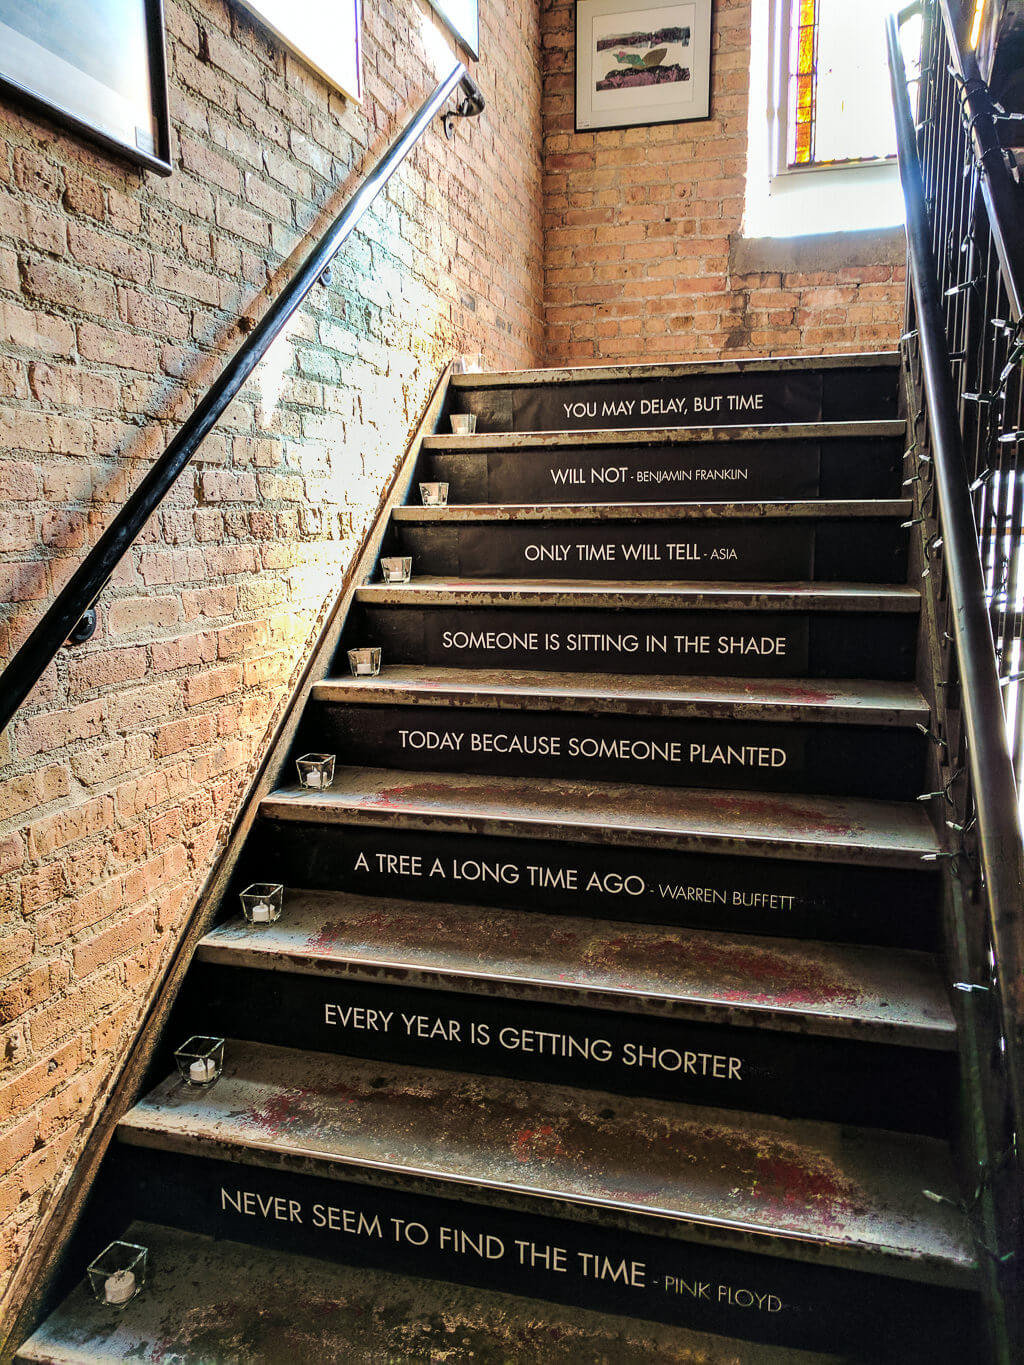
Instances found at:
x=119 y=1287
x=260 y=913
x=314 y=778
x=202 y=1070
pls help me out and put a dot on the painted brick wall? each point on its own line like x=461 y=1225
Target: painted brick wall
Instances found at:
x=120 y=778
x=642 y=226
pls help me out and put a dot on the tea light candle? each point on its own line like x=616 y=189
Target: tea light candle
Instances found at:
x=119 y=1287
x=396 y=568
x=314 y=778
x=260 y=913
x=202 y=1071
x=463 y=423
x=434 y=494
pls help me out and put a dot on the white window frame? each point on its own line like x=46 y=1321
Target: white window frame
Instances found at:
x=780 y=31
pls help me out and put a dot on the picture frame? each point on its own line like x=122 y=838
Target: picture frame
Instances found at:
x=642 y=62
x=327 y=37
x=98 y=66
x=462 y=17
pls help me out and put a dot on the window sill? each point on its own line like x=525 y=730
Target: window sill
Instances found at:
x=818 y=252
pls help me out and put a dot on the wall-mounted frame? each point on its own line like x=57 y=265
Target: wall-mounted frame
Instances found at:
x=641 y=62
x=463 y=18
x=324 y=33
x=98 y=65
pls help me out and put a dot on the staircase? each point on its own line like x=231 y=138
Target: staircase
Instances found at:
x=606 y=1017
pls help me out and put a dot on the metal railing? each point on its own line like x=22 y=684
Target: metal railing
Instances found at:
x=963 y=359
x=71 y=616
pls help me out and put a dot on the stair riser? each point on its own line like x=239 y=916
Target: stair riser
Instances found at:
x=754 y=1069
x=708 y=643
x=711 y=399
x=741 y=471
x=851 y=760
x=784 y=549
x=827 y=901
x=588 y=1263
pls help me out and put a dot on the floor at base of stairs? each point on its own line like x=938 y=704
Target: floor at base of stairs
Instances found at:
x=212 y=1302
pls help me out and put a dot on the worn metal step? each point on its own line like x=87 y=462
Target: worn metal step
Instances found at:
x=829 y=460
x=812 y=1193
x=285 y=1307
x=847 y=541
x=702 y=1018
x=713 y=739
x=854 y=702
x=818 y=829
x=792 y=630
x=787 y=389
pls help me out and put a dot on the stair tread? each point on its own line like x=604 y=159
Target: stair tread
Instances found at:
x=847 y=700
x=429 y=590
x=209 y=1300
x=777 y=510
x=880 y=995
x=671 y=370
x=768 y=823
x=851 y=1195
x=546 y=441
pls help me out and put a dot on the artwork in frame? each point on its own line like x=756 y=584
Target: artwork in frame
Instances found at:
x=463 y=18
x=98 y=65
x=325 y=36
x=639 y=62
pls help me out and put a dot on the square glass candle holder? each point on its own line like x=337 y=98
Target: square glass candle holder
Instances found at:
x=434 y=494
x=463 y=423
x=396 y=568
x=118 y=1273
x=315 y=770
x=469 y=364
x=200 y=1060
x=262 y=902
x=364 y=663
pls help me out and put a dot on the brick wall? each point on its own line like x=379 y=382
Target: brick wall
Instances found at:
x=643 y=256
x=119 y=779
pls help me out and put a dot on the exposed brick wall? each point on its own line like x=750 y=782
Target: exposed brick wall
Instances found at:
x=119 y=779
x=640 y=222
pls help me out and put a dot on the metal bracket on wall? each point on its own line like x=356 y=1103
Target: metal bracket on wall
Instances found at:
x=469 y=106
x=85 y=629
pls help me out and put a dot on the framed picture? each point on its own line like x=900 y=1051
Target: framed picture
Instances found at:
x=463 y=18
x=641 y=62
x=96 y=64
x=325 y=35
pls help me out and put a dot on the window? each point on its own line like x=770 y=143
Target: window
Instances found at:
x=832 y=83
x=822 y=141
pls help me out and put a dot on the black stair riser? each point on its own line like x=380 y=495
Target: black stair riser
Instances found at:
x=789 y=899
x=763 y=549
x=843 y=760
x=735 y=471
x=682 y=643
x=711 y=399
x=735 y=1293
x=758 y=1070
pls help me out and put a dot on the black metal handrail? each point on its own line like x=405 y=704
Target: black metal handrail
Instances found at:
x=79 y=595
x=997 y=958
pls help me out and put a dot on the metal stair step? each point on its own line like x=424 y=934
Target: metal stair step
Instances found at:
x=853 y=702
x=851 y=508
x=786 y=389
x=491 y=592
x=811 y=1192
x=542 y=441
x=724 y=463
x=351 y=1315
x=837 y=990
x=779 y=825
